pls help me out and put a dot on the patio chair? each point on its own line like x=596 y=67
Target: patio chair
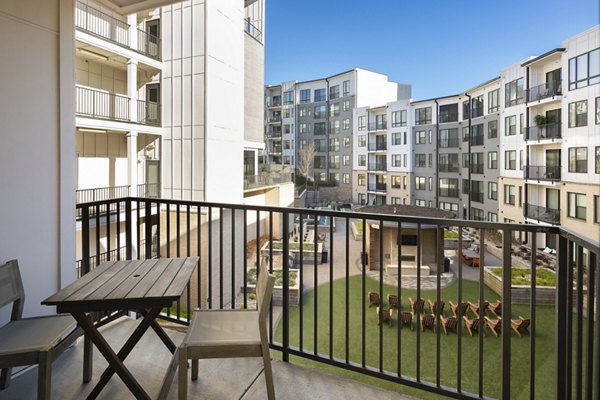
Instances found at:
x=393 y=301
x=436 y=307
x=464 y=306
x=228 y=334
x=475 y=309
x=495 y=308
x=450 y=323
x=521 y=324
x=384 y=315
x=374 y=299
x=416 y=305
x=493 y=324
x=472 y=324
x=36 y=340
x=405 y=318
x=427 y=321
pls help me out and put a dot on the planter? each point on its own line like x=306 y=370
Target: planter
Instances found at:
x=294 y=292
x=308 y=255
x=356 y=233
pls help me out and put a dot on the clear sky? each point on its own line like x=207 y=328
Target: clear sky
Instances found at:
x=441 y=47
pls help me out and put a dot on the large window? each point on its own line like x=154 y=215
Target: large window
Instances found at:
x=492 y=160
x=597 y=209
x=578 y=159
x=334 y=126
x=420 y=160
x=399 y=118
x=420 y=137
x=510 y=160
x=510 y=125
x=334 y=162
x=346 y=124
x=346 y=88
x=477 y=135
x=346 y=105
x=304 y=112
x=477 y=163
x=288 y=97
x=448 y=187
x=448 y=113
x=597 y=110
x=493 y=190
x=346 y=160
x=361 y=199
x=477 y=106
x=362 y=160
x=320 y=145
x=423 y=116
x=493 y=101
x=362 y=140
x=510 y=194
x=320 y=128
x=578 y=114
x=320 y=162
x=334 y=109
x=334 y=92
x=419 y=183
x=597 y=163
x=320 y=112
x=362 y=122
x=334 y=144
x=584 y=70
x=577 y=204
x=320 y=95
x=492 y=129
x=346 y=142
x=513 y=93
x=449 y=138
x=448 y=162
x=444 y=205
x=477 y=191
x=396 y=138
x=362 y=178
x=304 y=128
x=396 y=182
x=305 y=96
x=396 y=160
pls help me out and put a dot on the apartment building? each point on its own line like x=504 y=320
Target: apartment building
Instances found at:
x=320 y=112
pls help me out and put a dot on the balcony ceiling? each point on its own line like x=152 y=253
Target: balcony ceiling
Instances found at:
x=125 y=7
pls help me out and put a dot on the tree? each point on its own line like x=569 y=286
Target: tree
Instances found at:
x=305 y=163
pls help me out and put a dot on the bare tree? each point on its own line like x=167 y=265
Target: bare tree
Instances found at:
x=305 y=163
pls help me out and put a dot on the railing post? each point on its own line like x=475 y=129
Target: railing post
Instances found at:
x=148 y=229
x=561 y=317
x=506 y=300
x=128 y=230
x=85 y=240
x=286 y=285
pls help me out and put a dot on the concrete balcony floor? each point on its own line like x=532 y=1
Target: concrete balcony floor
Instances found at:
x=226 y=379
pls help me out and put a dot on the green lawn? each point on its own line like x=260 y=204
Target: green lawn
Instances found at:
x=545 y=371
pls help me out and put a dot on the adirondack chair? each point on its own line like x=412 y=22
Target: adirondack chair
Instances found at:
x=405 y=318
x=384 y=315
x=393 y=301
x=435 y=307
x=495 y=308
x=416 y=305
x=464 y=306
x=475 y=309
x=493 y=324
x=450 y=323
x=472 y=324
x=427 y=321
x=521 y=324
x=374 y=299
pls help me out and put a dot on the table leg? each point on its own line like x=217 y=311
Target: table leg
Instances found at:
x=115 y=363
x=161 y=333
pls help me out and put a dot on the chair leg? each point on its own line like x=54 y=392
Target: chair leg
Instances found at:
x=88 y=358
x=194 y=369
x=45 y=375
x=5 y=378
x=268 y=372
x=182 y=375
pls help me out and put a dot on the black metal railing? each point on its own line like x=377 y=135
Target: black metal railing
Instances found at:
x=96 y=22
x=542 y=214
x=377 y=187
x=477 y=197
x=377 y=126
x=148 y=113
x=477 y=140
x=451 y=142
x=542 y=172
x=266 y=179
x=148 y=44
x=309 y=248
x=547 y=131
x=448 y=167
x=377 y=166
x=252 y=30
x=377 y=146
x=477 y=168
x=101 y=194
x=100 y=104
x=274 y=134
x=539 y=92
x=276 y=118
x=444 y=192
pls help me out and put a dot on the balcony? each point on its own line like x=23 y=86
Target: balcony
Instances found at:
x=448 y=192
x=149 y=113
x=274 y=119
x=274 y=134
x=377 y=126
x=377 y=146
x=542 y=214
x=450 y=142
x=274 y=103
x=542 y=173
x=477 y=197
x=252 y=30
x=266 y=179
x=377 y=187
x=543 y=91
x=377 y=167
x=348 y=337
x=544 y=132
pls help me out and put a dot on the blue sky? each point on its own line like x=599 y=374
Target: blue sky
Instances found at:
x=441 y=47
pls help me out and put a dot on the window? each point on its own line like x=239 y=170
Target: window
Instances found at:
x=448 y=113
x=404 y=181
x=597 y=110
x=346 y=124
x=578 y=114
x=286 y=145
x=430 y=184
x=521 y=160
x=429 y=160
x=477 y=163
x=448 y=187
x=577 y=203
x=404 y=135
x=396 y=200
x=430 y=136
x=492 y=217
x=420 y=137
x=404 y=160
x=362 y=122
x=493 y=190
x=346 y=179
x=305 y=96
x=493 y=101
x=320 y=128
x=477 y=106
x=597 y=160
x=320 y=145
x=334 y=163
x=448 y=162
x=288 y=113
x=513 y=93
x=361 y=199
x=492 y=160
x=521 y=124
x=362 y=160
x=423 y=116
x=420 y=160
x=320 y=111
x=578 y=159
x=320 y=162
x=419 y=183
x=334 y=127
x=465 y=133
x=465 y=186
x=420 y=203
x=597 y=209
x=361 y=179
x=334 y=144
x=287 y=128
x=444 y=205
x=346 y=161
x=334 y=92
x=510 y=194
x=396 y=182
x=288 y=97
x=466 y=110
x=396 y=138
x=584 y=70
x=346 y=105
x=304 y=128
x=448 y=138
x=510 y=125
x=510 y=159
x=477 y=214
x=492 y=129
x=334 y=109
x=304 y=112
x=477 y=135
x=396 y=160
x=286 y=160
x=346 y=88
x=346 y=142
x=362 y=140
x=320 y=95
x=399 y=118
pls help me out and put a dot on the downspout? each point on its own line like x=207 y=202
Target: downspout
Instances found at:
x=327 y=127
x=525 y=206
x=469 y=152
x=436 y=152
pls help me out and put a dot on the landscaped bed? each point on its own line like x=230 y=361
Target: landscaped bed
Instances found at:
x=293 y=275
x=522 y=276
x=521 y=284
x=294 y=286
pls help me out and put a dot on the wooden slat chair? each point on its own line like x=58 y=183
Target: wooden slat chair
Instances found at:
x=36 y=340
x=435 y=307
x=228 y=334
x=416 y=305
x=475 y=309
x=464 y=306
x=393 y=301
x=374 y=299
x=450 y=323
x=472 y=324
x=521 y=324
x=384 y=315
x=493 y=324
x=495 y=308
x=427 y=321
x=405 y=318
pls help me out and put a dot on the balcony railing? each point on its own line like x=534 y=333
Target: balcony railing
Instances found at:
x=148 y=113
x=101 y=194
x=543 y=173
x=99 y=104
x=377 y=126
x=548 y=89
x=542 y=132
x=377 y=146
x=101 y=24
x=149 y=44
x=563 y=337
x=266 y=179
x=451 y=142
x=542 y=214
x=149 y=190
x=252 y=30
x=448 y=192
x=274 y=119
x=377 y=167
x=377 y=187
x=477 y=197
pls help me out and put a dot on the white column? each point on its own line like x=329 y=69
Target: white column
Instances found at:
x=133 y=32
x=132 y=162
x=132 y=89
